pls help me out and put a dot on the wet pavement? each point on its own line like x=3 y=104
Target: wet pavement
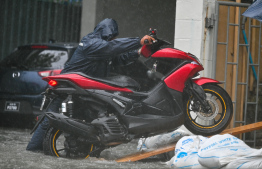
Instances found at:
x=13 y=142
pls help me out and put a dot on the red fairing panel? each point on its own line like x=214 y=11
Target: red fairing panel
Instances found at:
x=177 y=79
x=86 y=83
x=172 y=53
x=204 y=80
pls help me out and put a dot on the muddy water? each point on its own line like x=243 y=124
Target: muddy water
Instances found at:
x=13 y=155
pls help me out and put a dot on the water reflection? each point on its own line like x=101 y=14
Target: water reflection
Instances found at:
x=13 y=155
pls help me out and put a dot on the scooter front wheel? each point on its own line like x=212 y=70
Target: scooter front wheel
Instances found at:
x=209 y=123
x=60 y=144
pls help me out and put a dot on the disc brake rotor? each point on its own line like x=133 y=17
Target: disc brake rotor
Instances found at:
x=214 y=107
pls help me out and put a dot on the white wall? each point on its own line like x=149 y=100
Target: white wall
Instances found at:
x=190 y=32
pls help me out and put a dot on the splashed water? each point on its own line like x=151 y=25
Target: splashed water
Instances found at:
x=13 y=143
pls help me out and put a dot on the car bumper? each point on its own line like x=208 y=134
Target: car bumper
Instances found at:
x=20 y=104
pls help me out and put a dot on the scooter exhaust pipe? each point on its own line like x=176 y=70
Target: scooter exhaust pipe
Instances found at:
x=73 y=126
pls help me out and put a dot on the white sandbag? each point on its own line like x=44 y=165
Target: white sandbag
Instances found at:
x=171 y=161
x=253 y=160
x=160 y=140
x=186 y=153
x=220 y=150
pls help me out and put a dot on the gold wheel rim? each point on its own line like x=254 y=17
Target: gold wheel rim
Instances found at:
x=215 y=124
x=54 y=147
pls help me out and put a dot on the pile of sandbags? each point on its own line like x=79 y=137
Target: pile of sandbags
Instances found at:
x=220 y=151
x=186 y=152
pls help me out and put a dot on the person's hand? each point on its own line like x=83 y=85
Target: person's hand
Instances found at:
x=149 y=40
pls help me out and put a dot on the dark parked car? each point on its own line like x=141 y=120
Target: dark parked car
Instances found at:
x=21 y=75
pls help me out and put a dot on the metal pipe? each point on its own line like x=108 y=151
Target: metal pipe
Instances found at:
x=215 y=39
x=33 y=39
x=225 y=75
x=20 y=22
x=4 y=30
x=247 y=44
x=27 y=22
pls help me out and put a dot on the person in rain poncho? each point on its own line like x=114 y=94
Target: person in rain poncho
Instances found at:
x=94 y=56
x=99 y=50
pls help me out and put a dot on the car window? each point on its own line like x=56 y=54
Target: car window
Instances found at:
x=36 y=58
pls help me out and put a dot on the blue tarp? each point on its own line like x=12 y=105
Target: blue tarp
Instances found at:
x=254 y=10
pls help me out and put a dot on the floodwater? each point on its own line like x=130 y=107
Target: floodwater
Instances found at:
x=13 y=142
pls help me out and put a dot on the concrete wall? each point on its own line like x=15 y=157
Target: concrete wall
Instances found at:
x=134 y=17
x=190 y=32
x=88 y=20
x=207 y=48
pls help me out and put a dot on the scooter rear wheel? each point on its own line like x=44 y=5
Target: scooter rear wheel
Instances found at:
x=60 y=144
x=206 y=124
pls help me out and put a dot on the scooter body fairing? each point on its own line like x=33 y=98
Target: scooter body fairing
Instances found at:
x=86 y=83
x=178 y=78
x=173 y=53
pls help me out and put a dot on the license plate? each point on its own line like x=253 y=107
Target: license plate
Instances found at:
x=12 y=106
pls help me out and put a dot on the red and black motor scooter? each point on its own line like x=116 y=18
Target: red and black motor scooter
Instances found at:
x=98 y=113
